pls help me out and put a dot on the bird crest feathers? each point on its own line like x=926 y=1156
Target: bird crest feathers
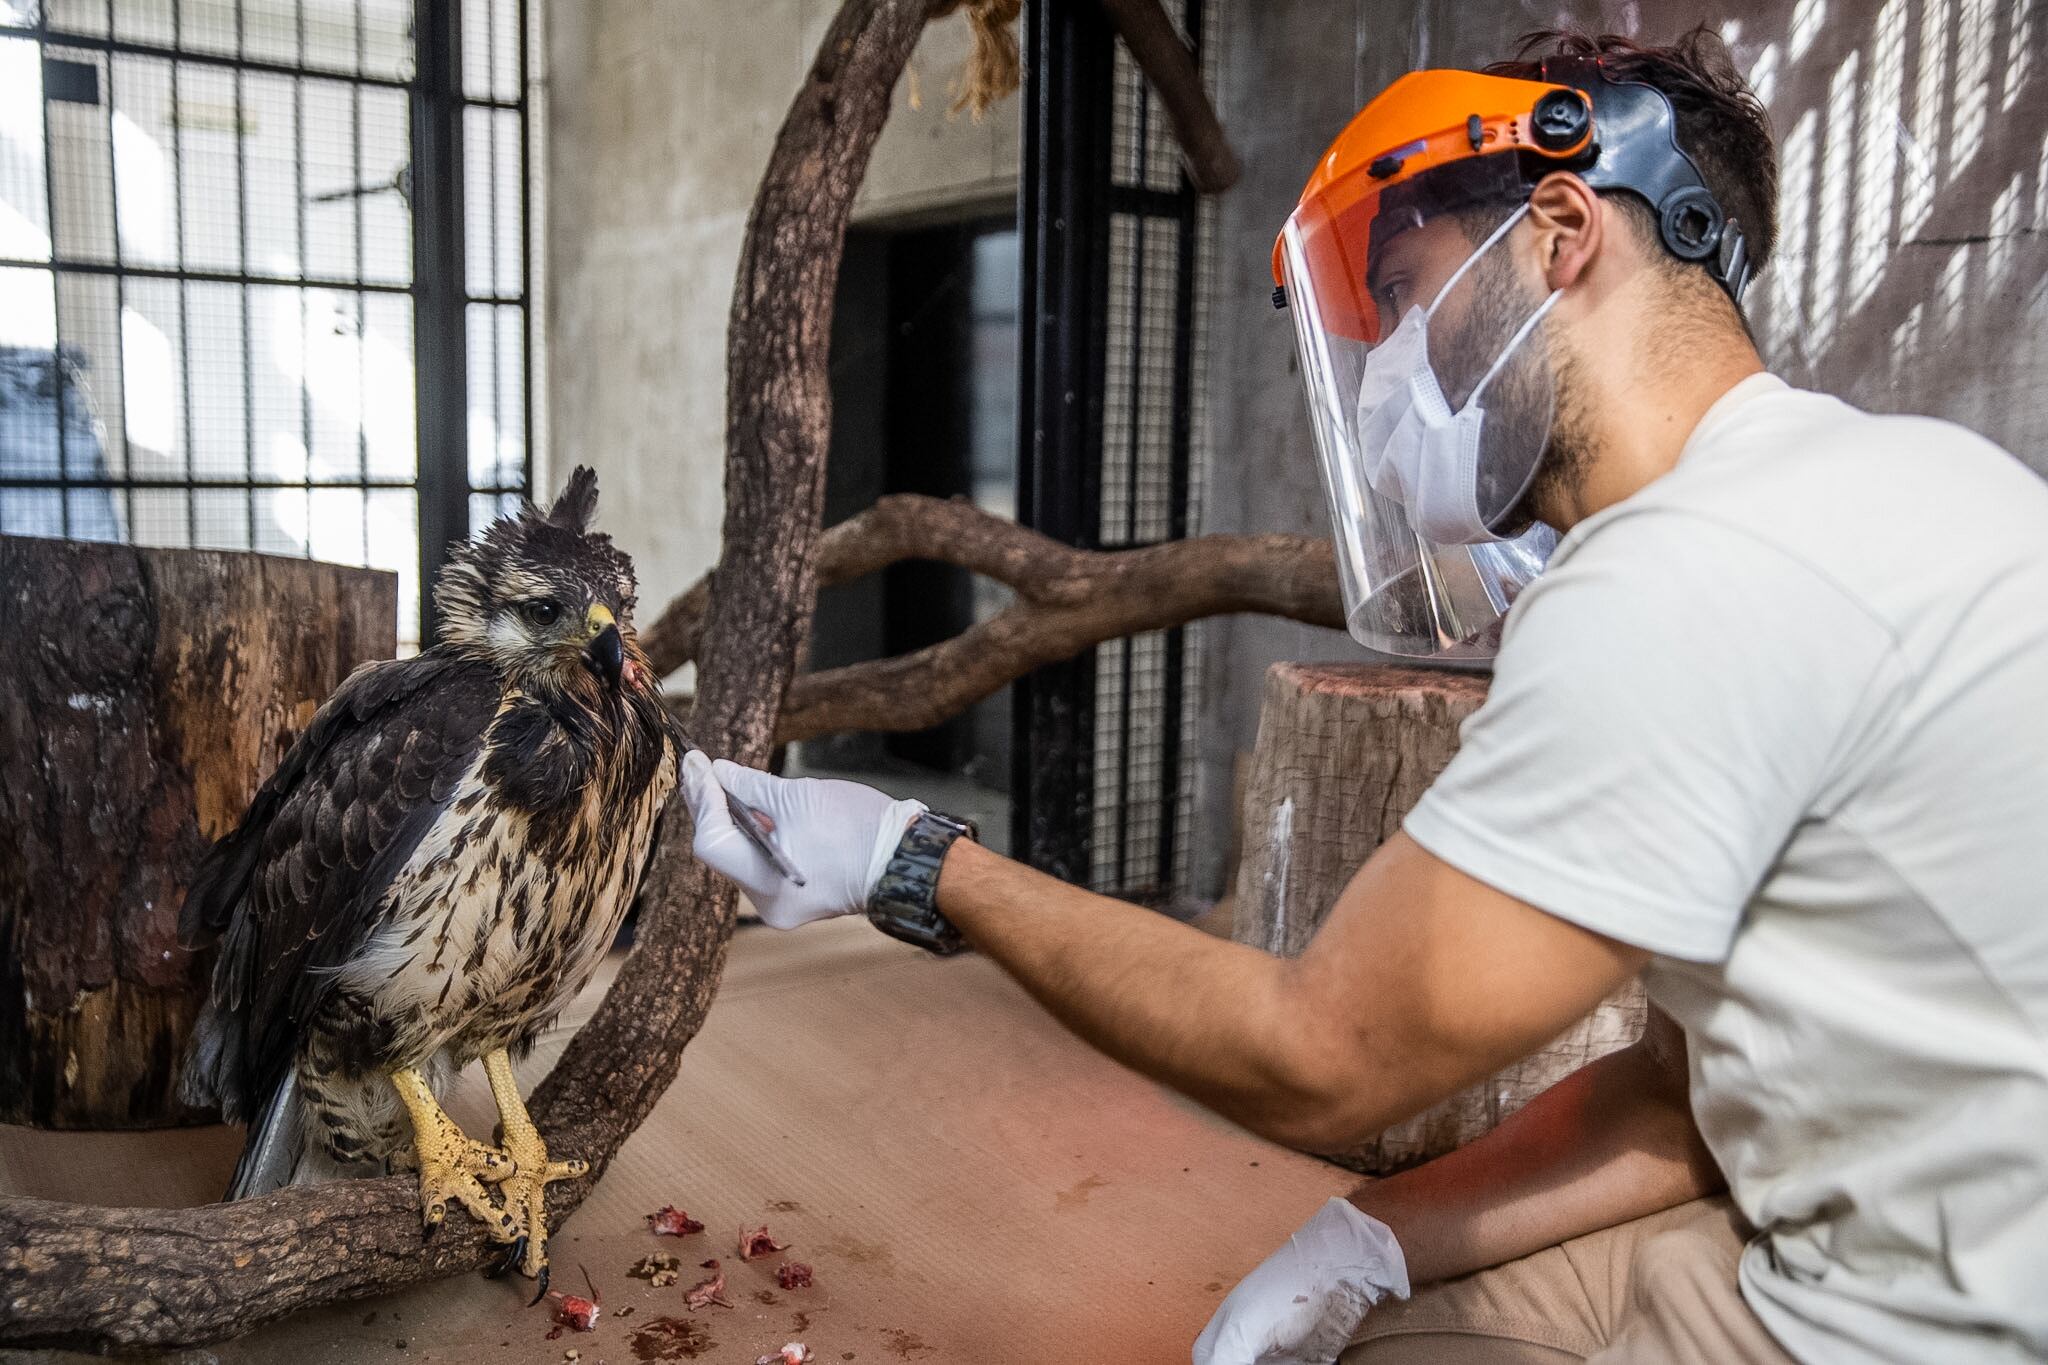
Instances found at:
x=578 y=503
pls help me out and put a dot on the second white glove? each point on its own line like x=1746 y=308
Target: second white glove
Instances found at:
x=841 y=834
x=1301 y=1305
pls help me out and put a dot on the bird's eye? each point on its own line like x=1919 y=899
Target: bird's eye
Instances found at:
x=540 y=611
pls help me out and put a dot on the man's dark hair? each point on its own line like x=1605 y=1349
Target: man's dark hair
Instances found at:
x=1722 y=125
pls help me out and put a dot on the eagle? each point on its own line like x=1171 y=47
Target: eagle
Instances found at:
x=435 y=869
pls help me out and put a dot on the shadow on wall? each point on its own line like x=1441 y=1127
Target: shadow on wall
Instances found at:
x=1913 y=185
x=1911 y=272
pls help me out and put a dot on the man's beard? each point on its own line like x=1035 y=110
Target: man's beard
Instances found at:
x=1567 y=454
x=1524 y=403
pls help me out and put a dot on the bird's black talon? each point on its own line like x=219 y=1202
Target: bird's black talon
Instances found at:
x=427 y=1233
x=541 y=1292
x=511 y=1258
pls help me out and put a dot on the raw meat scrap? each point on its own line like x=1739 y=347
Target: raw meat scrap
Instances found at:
x=709 y=1291
x=758 y=1243
x=575 y=1311
x=793 y=1275
x=670 y=1221
x=795 y=1353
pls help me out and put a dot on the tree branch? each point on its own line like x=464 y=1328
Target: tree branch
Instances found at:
x=1160 y=53
x=135 y=1279
x=1068 y=600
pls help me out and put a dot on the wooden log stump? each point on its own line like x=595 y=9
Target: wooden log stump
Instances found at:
x=144 y=694
x=1344 y=751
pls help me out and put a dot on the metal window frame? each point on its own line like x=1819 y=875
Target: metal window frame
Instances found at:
x=437 y=102
x=1063 y=234
x=1075 y=717
x=440 y=329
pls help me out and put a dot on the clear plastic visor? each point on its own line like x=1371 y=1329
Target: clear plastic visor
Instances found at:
x=1427 y=452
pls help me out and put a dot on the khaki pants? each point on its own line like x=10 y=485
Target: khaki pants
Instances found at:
x=1660 y=1289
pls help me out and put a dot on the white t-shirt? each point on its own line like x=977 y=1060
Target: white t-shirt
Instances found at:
x=1781 y=718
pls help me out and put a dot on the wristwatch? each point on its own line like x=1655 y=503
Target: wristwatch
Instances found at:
x=905 y=903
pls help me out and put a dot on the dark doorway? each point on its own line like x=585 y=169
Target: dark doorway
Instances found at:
x=924 y=390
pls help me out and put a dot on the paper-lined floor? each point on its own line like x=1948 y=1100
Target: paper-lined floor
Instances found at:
x=969 y=1183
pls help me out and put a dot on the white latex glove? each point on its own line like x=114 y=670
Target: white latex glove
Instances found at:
x=839 y=834
x=1300 y=1305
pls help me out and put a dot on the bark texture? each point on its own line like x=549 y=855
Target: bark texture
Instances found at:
x=1344 y=752
x=1068 y=600
x=135 y=1279
x=149 y=693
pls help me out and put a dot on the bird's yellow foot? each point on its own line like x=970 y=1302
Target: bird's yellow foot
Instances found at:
x=454 y=1167
x=525 y=1192
x=526 y=1201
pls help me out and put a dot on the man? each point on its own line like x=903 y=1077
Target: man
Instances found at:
x=1768 y=731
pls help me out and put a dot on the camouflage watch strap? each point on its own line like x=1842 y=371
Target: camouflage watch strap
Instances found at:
x=905 y=904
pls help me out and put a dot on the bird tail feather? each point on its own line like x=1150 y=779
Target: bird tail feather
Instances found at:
x=211 y=1077
x=277 y=1138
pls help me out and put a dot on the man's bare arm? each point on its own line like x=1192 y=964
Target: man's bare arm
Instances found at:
x=1421 y=981
x=1615 y=1140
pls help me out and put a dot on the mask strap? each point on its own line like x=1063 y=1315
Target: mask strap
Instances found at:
x=1521 y=335
x=1459 y=273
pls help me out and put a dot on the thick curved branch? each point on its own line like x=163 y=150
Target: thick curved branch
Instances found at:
x=1107 y=597
x=899 y=526
x=1067 y=601
x=138 y=1279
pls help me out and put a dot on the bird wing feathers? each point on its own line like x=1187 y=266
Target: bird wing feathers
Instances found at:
x=295 y=890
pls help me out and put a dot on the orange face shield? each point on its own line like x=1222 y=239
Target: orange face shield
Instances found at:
x=1433 y=141
x=1428 y=442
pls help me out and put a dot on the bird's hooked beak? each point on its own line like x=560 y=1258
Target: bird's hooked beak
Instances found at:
x=604 y=650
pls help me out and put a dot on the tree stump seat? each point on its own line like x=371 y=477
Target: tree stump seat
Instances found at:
x=1344 y=752
x=144 y=695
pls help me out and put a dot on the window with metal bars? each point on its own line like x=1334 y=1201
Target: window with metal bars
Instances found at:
x=266 y=274
x=1113 y=444
x=1152 y=458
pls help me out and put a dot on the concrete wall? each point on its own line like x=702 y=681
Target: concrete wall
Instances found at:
x=1909 y=278
x=661 y=118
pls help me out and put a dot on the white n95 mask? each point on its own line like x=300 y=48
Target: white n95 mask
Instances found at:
x=1419 y=490
x=1418 y=452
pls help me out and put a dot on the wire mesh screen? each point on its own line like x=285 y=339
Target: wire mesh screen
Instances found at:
x=207 y=285
x=1152 y=463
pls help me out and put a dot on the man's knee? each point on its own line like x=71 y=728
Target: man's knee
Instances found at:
x=1534 y=1311
x=1693 y=1260
x=1455 y=1348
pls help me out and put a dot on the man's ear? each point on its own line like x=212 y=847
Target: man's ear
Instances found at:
x=1569 y=227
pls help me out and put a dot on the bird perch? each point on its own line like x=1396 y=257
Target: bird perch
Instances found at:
x=142 y=1279
x=1068 y=600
